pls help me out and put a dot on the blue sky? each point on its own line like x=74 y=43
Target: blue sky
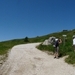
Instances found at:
x=31 y=18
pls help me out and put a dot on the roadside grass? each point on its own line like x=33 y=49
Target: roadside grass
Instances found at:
x=71 y=58
x=65 y=50
x=45 y=47
x=7 y=45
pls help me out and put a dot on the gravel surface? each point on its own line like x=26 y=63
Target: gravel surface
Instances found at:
x=26 y=59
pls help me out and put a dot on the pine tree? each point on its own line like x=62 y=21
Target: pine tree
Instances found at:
x=26 y=39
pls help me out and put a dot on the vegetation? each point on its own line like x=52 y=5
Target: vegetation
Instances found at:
x=26 y=39
x=6 y=45
x=66 y=49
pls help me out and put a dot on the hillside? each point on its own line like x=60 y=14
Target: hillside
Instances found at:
x=5 y=46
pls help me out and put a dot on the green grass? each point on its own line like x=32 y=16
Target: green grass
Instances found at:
x=71 y=58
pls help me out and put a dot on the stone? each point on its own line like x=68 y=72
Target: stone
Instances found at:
x=49 y=41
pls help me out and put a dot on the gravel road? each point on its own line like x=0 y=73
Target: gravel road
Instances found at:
x=26 y=59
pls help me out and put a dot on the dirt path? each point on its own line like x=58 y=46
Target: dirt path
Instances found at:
x=25 y=59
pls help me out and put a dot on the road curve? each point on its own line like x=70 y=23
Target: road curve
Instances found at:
x=26 y=59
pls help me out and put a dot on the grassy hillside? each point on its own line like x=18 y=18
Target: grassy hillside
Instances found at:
x=65 y=50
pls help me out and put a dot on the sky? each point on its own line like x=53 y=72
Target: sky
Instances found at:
x=31 y=18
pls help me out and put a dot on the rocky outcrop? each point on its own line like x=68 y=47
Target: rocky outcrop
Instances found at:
x=49 y=41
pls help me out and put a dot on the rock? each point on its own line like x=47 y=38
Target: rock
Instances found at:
x=49 y=41
x=46 y=42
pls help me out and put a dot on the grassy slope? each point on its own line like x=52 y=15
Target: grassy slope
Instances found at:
x=65 y=50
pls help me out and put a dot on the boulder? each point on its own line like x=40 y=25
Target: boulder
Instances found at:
x=49 y=41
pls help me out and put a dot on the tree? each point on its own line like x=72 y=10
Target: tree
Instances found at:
x=26 y=39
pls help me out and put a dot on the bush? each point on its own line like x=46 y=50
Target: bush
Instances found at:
x=26 y=39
